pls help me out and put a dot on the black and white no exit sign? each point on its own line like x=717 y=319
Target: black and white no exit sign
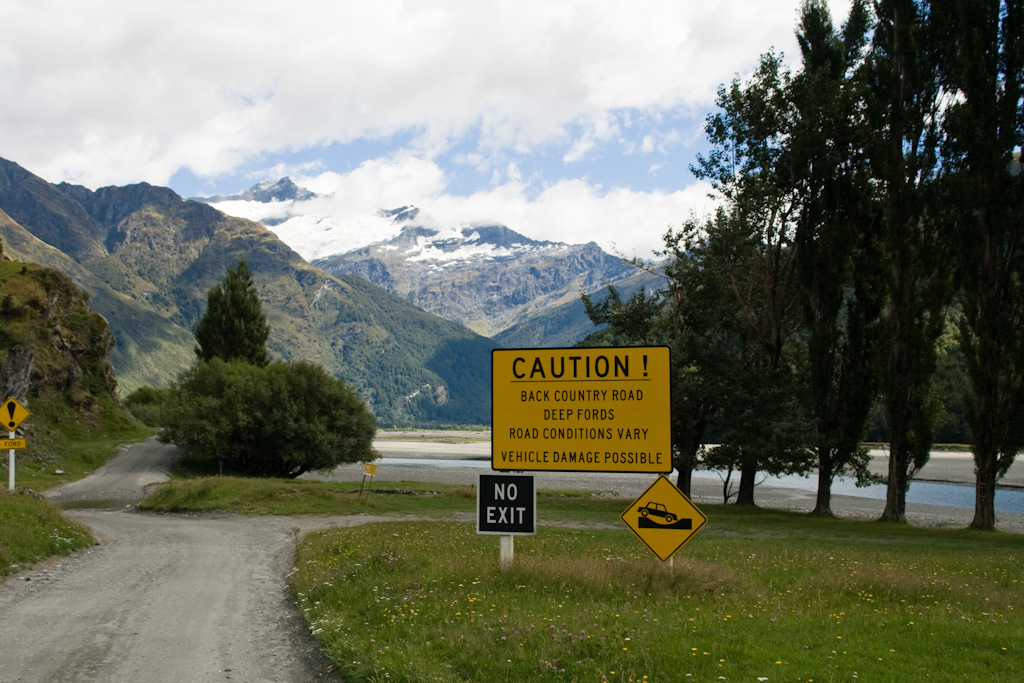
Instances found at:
x=506 y=504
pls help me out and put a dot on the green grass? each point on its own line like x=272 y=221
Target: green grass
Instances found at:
x=426 y=601
x=257 y=496
x=252 y=496
x=32 y=530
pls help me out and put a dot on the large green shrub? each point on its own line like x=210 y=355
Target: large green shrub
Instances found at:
x=280 y=420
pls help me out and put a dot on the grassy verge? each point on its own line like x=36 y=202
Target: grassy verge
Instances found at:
x=32 y=530
x=249 y=496
x=796 y=601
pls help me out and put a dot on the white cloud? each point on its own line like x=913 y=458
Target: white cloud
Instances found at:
x=115 y=91
x=375 y=184
x=620 y=220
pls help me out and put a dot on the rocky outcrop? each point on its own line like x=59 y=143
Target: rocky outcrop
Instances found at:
x=50 y=341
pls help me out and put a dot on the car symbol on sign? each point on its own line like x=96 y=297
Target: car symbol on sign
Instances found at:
x=658 y=510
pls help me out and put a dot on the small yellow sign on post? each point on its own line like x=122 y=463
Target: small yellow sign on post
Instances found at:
x=663 y=518
x=370 y=468
x=582 y=409
x=12 y=414
x=7 y=444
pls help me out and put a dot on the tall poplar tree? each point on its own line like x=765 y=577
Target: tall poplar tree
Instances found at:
x=836 y=239
x=984 y=73
x=904 y=105
x=234 y=327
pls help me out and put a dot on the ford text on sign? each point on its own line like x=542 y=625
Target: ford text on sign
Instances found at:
x=581 y=410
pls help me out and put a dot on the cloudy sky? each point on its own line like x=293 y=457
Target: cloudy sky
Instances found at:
x=570 y=120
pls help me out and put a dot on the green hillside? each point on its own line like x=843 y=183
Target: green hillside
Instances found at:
x=54 y=361
x=148 y=257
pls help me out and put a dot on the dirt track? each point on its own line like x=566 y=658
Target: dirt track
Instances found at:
x=160 y=597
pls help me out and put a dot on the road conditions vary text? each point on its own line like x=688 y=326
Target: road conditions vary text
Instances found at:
x=582 y=409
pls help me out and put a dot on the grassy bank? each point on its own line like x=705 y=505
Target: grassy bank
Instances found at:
x=824 y=601
x=250 y=496
x=32 y=530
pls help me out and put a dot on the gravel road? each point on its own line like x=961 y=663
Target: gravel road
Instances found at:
x=159 y=597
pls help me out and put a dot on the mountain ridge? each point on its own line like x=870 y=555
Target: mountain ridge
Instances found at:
x=487 y=277
x=148 y=257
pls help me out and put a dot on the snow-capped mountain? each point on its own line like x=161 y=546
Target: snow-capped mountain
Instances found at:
x=487 y=277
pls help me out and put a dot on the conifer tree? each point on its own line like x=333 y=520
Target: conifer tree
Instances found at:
x=234 y=327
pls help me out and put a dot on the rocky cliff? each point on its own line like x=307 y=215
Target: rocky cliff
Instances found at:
x=51 y=344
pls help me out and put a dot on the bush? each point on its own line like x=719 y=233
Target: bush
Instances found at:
x=148 y=405
x=280 y=420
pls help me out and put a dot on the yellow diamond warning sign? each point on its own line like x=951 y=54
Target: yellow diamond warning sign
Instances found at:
x=13 y=414
x=664 y=518
x=582 y=409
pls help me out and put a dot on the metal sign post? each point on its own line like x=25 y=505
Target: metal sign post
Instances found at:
x=10 y=484
x=369 y=469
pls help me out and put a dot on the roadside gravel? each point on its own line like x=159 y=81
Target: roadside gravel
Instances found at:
x=160 y=597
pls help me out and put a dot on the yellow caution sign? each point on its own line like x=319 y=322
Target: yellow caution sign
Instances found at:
x=582 y=409
x=663 y=518
x=12 y=414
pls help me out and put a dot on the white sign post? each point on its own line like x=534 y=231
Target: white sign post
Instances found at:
x=10 y=484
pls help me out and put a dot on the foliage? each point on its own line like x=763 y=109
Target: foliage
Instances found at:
x=903 y=105
x=148 y=404
x=280 y=420
x=234 y=326
x=749 y=249
x=982 y=68
x=651 y=319
x=634 y=320
x=837 y=241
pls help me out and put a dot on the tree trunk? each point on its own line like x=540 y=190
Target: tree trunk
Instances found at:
x=985 y=468
x=823 y=503
x=748 y=477
x=684 y=481
x=896 y=491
